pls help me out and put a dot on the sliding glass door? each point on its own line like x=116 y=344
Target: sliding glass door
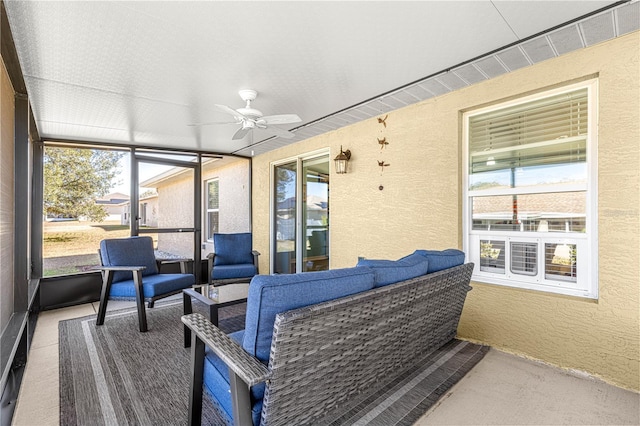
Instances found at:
x=301 y=215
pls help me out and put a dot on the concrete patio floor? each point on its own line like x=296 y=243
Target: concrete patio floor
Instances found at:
x=502 y=389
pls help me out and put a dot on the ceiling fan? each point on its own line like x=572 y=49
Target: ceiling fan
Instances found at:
x=251 y=118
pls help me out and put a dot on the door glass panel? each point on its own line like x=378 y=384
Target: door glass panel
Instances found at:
x=315 y=187
x=166 y=207
x=285 y=218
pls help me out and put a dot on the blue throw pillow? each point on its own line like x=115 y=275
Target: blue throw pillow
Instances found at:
x=270 y=295
x=442 y=259
x=393 y=271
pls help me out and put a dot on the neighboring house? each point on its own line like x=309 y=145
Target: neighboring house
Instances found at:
x=112 y=204
x=147 y=208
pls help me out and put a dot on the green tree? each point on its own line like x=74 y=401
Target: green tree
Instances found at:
x=75 y=177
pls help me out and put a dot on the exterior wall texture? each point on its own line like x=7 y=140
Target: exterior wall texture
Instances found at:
x=174 y=205
x=420 y=206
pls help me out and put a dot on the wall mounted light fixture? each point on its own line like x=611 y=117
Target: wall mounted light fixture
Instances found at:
x=341 y=161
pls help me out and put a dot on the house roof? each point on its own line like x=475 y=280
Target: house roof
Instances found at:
x=138 y=73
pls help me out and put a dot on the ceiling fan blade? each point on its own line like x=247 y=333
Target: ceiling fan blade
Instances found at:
x=241 y=133
x=281 y=119
x=280 y=132
x=212 y=122
x=231 y=111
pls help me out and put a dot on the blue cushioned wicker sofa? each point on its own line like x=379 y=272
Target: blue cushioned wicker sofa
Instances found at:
x=317 y=343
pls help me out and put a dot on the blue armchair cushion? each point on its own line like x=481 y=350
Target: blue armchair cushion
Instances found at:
x=244 y=270
x=439 y=260
x=393 y=271
x=152 y=285
x=216 y=380
x=272 y=294
x=132 y=251
x=232 y=249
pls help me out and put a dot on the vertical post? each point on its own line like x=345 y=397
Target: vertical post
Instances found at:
x=240 y=400
x=186 y=310
x=142 y=315
x=197 y=220
x=195 y=390
x=22 y=189
x=107 y=279
x=134 y=226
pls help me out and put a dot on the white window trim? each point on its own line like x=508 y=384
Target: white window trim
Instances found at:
x=588 y=240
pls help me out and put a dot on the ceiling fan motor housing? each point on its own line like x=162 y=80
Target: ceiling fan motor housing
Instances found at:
x=249 y=95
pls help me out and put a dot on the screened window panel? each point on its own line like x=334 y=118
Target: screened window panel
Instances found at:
x=213 y=224
x=492 y=256
x=561 y=262
x=524 y=258
x=213 y=194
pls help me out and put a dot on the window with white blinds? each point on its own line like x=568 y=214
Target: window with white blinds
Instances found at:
x=530 y=179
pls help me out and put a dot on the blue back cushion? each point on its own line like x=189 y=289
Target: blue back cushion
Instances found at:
x=393 y=271
x=272 y=294
x=132 y=251
x=232 y=249
x=439 y=260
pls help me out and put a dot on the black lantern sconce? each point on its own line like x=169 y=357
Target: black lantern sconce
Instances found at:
x=341 y=161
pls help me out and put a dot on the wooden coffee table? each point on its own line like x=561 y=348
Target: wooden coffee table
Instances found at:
x=214 y=298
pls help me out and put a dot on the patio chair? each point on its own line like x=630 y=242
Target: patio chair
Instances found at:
x=233 y=260
x=130 y=271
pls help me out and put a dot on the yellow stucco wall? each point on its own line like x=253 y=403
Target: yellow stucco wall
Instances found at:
x=421 y=203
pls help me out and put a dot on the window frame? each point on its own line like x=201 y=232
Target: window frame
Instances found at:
x=586 y=284
x=209 y=235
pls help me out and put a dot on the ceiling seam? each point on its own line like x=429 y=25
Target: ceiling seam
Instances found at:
x=111 y=92
x=505 y=20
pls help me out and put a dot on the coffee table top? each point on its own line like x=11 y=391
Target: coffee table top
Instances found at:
x=220 y=295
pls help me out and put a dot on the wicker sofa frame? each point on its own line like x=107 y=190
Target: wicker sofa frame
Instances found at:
x=327 y=358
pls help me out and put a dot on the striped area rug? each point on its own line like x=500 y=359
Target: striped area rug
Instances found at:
x=115 y=375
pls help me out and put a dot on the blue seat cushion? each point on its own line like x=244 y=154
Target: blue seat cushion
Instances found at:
x=216 y=380
x=393 y=271
x=244 y=270
x=442 y=259
x=152 y=285
x=272 y=294
x=232 y=249
x=132 y=251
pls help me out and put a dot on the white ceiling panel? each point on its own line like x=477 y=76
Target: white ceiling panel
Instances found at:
x=140 y=73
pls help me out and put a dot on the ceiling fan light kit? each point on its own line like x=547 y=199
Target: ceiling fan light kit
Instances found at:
x=250 y=118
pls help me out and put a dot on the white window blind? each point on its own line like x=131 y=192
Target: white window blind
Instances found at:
x=546 y=131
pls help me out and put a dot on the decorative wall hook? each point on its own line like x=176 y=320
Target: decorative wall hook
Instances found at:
x=383 y=120
x=382 y=165
x=383 y=142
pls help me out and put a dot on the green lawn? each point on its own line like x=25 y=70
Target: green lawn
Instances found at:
x=72 y=246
